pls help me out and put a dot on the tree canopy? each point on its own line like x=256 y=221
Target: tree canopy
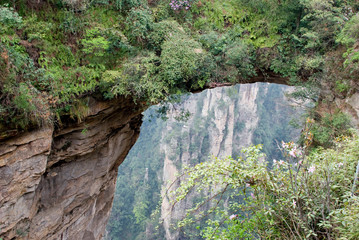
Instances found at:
x=149 y=50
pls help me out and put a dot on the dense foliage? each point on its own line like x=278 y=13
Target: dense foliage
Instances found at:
x=149 y=50
x=304 y=196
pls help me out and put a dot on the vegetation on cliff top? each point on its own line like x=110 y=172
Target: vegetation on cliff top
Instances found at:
x=55 y=54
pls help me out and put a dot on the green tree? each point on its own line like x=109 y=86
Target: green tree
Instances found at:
x=306 y=196
x=139 y=24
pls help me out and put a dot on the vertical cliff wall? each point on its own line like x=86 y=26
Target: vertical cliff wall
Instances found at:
x=60 y=184
x=210 y=131
x=222 y=121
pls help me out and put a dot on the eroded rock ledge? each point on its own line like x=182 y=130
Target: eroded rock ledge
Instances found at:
x=60 y=184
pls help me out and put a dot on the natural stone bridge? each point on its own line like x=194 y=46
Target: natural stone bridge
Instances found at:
x=59 y=183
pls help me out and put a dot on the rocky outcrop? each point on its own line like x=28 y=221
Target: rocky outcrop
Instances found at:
x=350 y=106
x=215 y=113
x=223 y=121
x=60 y=184
x=22 y=163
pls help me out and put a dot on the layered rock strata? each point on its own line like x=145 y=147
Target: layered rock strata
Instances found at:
x=59 y=184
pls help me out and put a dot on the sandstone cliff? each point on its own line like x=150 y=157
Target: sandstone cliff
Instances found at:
x=223 y=121
x=59 y=184
x=231 y=124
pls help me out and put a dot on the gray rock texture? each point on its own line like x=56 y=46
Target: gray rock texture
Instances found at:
x=59 y=184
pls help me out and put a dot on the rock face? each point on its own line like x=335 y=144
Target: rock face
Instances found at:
x=350 y=106
x=218 y=114
x=22 y=163
x=60 y=184
x=223 y=121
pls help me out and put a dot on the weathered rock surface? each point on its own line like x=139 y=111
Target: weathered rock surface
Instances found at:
x=222 y=122
x=350 y=106
x=60 y=184
x=22 y=163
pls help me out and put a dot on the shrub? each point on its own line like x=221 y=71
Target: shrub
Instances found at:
x=137 y=78
x=22 y=104
x=178 y=4
x=350 y=32
x=321 y=23
x=72 y=82
x=349 y=37
x=304 y=196
x=94 y=43
x=125 y=5
x=214 y=42
x=239 y=55
x=308 y=65
x=165 y=30
x=103 y=47
x=47 y=33
x=138 y=24
x=23 y=100
x=9 y=18
x=347 y=217
x=70 y=23
x=184 y=63
x=330 y=126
